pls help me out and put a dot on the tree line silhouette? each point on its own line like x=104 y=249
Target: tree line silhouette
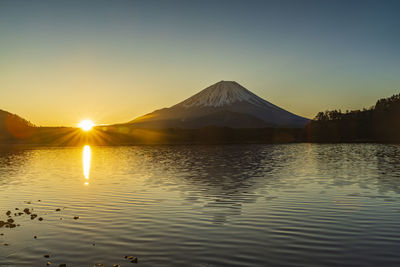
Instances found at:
x=379 y=123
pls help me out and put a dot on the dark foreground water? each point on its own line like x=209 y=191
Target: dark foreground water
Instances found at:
x=243 y=205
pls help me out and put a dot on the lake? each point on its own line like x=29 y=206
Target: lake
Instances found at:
x=233 y=205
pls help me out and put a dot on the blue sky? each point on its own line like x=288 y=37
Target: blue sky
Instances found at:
x=62 y=61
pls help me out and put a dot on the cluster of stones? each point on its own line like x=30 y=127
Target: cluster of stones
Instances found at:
x=10 y=223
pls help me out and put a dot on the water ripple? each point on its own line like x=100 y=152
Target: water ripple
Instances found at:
x=244 y=205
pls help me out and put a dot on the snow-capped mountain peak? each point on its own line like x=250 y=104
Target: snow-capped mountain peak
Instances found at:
x=222 y=93
x=224 y=104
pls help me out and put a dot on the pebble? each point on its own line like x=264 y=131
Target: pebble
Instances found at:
x=47 y=256
x=48 y=263
x=62 y=265
x=27 y=211
x=40 y=219
x=76 y=217
x=132 y=259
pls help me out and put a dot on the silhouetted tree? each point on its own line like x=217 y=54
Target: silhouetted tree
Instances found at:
x=380 y=123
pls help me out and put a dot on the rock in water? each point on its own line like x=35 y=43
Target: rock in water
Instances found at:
x=27 y=211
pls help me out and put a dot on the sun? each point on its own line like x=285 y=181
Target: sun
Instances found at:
x=86 y=125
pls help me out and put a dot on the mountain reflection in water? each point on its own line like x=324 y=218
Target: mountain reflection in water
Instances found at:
x=236 y=205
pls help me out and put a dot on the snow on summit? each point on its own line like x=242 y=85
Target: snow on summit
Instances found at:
x=224 y=104
x=223 y=93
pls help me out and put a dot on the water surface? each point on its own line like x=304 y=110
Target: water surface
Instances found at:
x=239 y=205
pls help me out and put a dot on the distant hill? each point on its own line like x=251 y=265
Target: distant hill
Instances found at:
x=224 y=104
x=13 y=127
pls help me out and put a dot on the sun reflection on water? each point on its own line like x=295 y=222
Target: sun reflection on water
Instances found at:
x=87 y=156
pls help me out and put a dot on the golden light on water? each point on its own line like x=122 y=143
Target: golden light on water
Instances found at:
x=87 y=157
x=86 y=125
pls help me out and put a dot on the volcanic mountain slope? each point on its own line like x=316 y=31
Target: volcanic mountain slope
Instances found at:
x=224 y=104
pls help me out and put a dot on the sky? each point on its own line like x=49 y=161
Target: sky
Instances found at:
x=112 y=61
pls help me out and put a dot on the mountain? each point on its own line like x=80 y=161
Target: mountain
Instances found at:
x=14 y=127
x=224 y=104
